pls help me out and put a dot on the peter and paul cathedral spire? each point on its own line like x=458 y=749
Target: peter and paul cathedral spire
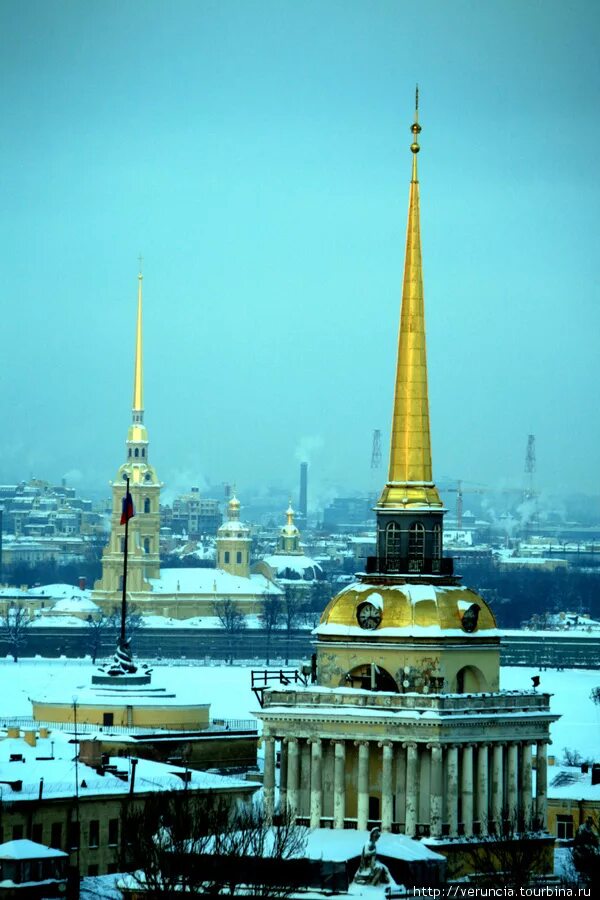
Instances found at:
x=409 y=510
x=144 y=528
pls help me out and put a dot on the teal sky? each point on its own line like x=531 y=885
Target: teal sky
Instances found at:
x=257 y=155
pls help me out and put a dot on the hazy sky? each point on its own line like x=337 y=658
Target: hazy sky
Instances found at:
x=257 y=155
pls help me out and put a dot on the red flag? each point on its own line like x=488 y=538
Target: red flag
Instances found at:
x=127 y=511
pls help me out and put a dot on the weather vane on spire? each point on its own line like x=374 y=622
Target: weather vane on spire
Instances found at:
x=415 y=127
x=140 y=260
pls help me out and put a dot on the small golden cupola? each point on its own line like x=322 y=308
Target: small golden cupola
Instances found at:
x=234 y=542
x=289 y=538
x=408 y=623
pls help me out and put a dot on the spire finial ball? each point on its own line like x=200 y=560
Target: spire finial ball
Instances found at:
x=415 y=147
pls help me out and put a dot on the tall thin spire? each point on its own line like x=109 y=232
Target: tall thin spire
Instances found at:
x=410 y=473
x=138 y=372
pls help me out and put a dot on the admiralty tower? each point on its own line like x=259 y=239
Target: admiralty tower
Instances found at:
x=406 y=726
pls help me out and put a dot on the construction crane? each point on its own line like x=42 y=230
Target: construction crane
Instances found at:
x=460 y=491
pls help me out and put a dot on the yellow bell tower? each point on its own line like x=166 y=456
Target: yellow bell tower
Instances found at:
x=144 y=528
x=233 y=542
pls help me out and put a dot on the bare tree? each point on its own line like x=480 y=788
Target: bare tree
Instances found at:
x=98 y=625
x=586 y=854
x=270 y=616
x=133 y=621
x=293 y=609
x=183 y=843
x=232 y=620
x=510 y=857
x=13 y=628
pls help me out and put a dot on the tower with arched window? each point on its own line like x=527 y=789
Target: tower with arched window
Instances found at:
x=144 y=528
x=406 y=726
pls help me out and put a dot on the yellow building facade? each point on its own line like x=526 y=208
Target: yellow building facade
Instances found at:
x=406 y=726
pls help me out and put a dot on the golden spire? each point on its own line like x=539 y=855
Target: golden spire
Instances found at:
x=410 y=476
x=290 y=515
x=138 y=372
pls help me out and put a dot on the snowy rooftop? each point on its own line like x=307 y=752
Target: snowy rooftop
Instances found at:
x=210 y=581
x=26 y=849
x=21 y=779
x=295 y=562
x=61 y=592
x=570 y=783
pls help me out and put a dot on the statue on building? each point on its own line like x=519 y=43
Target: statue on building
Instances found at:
x=370 y=870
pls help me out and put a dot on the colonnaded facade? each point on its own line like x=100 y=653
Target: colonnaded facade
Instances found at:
x=406 y=726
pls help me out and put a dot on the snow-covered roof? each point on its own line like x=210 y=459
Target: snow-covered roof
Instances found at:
x=22 y=779
x=304 y=566
x=339 y=845
x=26 y=849
x=60 y=592
x=210 y=581
x=75 y=605
x=570 y=783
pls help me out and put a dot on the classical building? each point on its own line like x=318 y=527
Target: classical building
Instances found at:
x=406 y=726
x=234 y=542
x=289 y=563
x=144 y=528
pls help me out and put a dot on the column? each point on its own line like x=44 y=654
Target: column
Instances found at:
x=339 y=784
x=452 y=790
x=387 y=801
x=526 y=792
x=412 y=759
x=293 y=775
x=467 y=790
x=269 y=776
x=400 y=755
x=482 y=788
x=497 y=787
x=362 y=810
x=541 y=781
x=316 y=788
x=435 y=791
x=512 y=763
x=283 y=773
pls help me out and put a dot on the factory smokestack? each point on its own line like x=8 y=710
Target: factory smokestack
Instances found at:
x=303 y=502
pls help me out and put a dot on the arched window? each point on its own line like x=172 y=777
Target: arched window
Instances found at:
x=143 y=451
x=129 y=454
x=146 y=545
x=226 y=556
x=416 y=546
x=392 y=547
x=436 y=552
x=136 y=451
x=238 y=557
x=147 y=505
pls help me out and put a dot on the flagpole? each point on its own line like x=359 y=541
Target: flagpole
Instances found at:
x=124 y=597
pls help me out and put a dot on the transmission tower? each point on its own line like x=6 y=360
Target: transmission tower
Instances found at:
x=376 y=451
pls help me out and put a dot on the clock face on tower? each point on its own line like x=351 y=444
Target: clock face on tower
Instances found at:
x=368 y=616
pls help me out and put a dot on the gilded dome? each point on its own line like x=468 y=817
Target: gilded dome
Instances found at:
x=411 y=610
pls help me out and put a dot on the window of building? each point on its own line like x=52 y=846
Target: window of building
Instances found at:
x=111 y=868
x=143 y=451
x=147 y=505
x=17 y=832
x=73 y=835
x=416 y=546
x=392 y=547
x=239 y=556
x=226 y=556
x=136 y=452
x=146 y=545
x=94 y=832
x=122 y=544
x=113 y=832
x=56 y=835
x=37 y=832
x=93 y=869
x=108 y=718
x=129 y=454
x=564 y=827
x=437 y=542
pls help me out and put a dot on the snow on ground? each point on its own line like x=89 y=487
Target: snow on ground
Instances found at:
x=579 y=725
x=227 y=688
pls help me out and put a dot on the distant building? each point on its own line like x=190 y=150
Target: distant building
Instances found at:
x=347 y=513
x=289 y=563
x=194 y=515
